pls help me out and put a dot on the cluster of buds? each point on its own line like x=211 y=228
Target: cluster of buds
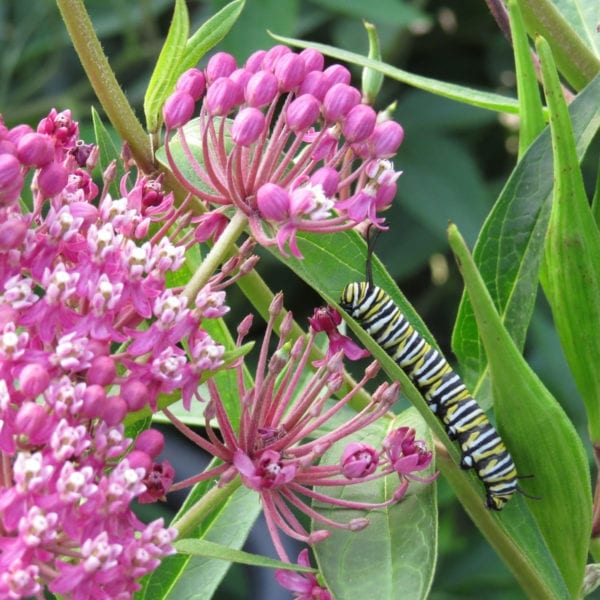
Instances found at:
x=282 y=140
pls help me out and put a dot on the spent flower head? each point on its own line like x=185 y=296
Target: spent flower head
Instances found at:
x=283 y=140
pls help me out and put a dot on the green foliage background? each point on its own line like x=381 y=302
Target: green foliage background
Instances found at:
x=455 y=159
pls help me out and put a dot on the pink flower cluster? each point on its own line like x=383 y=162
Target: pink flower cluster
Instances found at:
x=285 y=141
x=78 y=275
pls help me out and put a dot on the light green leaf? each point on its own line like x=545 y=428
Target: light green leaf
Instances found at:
x=571 y=276
x=398 y=550
x=332 y=261
x=460 y=93
x=576 y=62
x=510 y=245
x=212 y=550
x=210 y=34
x=531 y=114
x=542 y=440
x=188 y=576
x=166 y=71
x=584 y=17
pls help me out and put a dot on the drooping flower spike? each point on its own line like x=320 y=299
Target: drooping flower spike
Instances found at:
x=283 y=140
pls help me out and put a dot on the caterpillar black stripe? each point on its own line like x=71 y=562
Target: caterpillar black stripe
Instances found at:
x=481 y=446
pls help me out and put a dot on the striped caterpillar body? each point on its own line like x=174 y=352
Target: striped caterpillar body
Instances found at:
x=448 y=398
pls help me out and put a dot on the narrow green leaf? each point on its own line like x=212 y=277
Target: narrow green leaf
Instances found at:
x=448 y=90
x=542 y=440
x=108 y=152
x=570 y=277
x=167 y=71
x=188 y=576
x=531 y=114
x=510 y=246
x=398 y=550
x=330 y=262
x=576 y=61
x=212 y=550
x=210 y=34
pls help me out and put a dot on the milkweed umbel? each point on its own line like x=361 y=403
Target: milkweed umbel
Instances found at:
x=481 y=446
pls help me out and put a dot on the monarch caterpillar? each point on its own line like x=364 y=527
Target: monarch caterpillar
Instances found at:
x=448 y=398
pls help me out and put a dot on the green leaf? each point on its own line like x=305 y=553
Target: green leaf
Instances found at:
x=398 y=550
x=576 y=62
x=212 y=550
x=571 y=278
x=332 y=261
x=167 y=71
x=188 y=576
x=510 y=245
x=531 y=114
x=448 y=90
x=108 y=152
x=210 y=34
x=542 y=440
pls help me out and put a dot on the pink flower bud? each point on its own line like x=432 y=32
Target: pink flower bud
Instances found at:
x=358 y=524
x=222 y=96
x=35 y=150
x=135 y=394
x=359 y=123
x=10 y=168
x=247 y=126
x=273 y=202
x=313 y=60
x=32 y=420
x=273 y=55
x=12 y=233
x=337 y=74
x=221 y=64
x=52 y=179
x=316 y=84
x=241 y=77
x=328 y=178
x=16 y=133
x=193 y=82
x=150 y=441
x=115 y=410
x=385 y=195
x=94 y=399
x=261 y=89
x=33 y=380
x=289 y=71
x=139 y=460
x=254 y=62
x=339 y=100
x=359 y=460
x=302 y=113
x=102 y=371
x=386 y=138
x=178 y=109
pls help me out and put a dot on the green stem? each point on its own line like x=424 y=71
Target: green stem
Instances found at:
x=218 y=253
x=212 y=500
x=104 y=82
x=574 y=59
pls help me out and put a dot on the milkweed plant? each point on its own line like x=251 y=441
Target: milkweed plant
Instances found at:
x=118 y=267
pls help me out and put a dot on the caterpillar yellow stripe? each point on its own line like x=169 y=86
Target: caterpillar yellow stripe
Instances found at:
x=481 y=447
